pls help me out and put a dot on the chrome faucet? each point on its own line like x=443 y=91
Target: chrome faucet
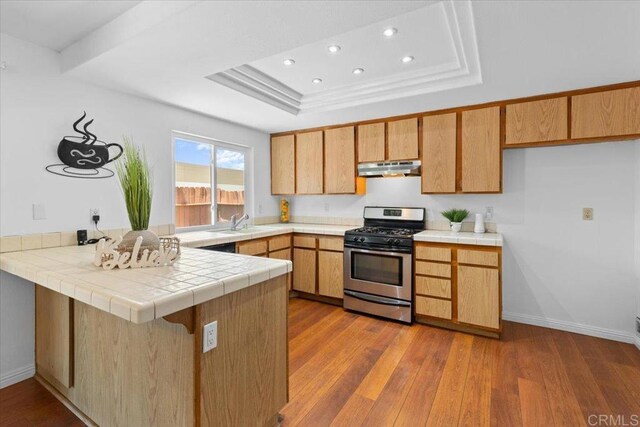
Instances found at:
x=235 y=222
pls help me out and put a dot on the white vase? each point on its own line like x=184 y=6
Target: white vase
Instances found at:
x=479 y=225
x=456 y=226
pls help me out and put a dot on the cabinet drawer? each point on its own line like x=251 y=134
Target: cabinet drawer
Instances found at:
x=304 y=242
x=433 y=287
x=478 y=257
x=279 y=242
x=252 y=247
x=433 y=307
x=433 y=254
x=433 y=269
x=331 y=243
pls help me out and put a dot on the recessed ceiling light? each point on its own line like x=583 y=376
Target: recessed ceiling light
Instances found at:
x=334 y=48
x=407 y=59
x=390 y=32
x=288 y=62
x=316 y=81
x=358 y=70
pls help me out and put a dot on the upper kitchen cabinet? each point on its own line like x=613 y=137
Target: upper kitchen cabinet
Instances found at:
x=340 y=161
x=439 y=153
x=481 y=153
x=606 y=114
x=536 y=122
x=402 y=139
x=371 y=140
x=282 y=165
x=309 y=163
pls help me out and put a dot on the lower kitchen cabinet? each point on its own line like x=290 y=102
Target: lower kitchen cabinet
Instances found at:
x=286 y=255
x=304 y=270
x=459 y=287
x=330 y=274
x=318 y=267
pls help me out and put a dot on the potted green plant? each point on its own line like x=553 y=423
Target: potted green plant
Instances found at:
x=455 y=216
x=135 y=178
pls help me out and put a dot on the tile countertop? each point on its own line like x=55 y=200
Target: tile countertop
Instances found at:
x=142 y=294
x=196 y=239
x=463 y=237
x=205 y=238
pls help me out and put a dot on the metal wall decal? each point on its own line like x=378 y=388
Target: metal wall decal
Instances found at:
x=84 y=156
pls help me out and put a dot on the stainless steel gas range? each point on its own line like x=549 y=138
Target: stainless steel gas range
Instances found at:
x=378 y=262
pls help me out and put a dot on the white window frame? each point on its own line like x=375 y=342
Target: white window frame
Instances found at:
x=248 y=178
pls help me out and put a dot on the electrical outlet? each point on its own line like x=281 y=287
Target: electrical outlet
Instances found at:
x=93 y=212
x=39 y=211
x=327 y=207
x=587 y=214
x=488 y=213
x=259 y=208
x=210 y=336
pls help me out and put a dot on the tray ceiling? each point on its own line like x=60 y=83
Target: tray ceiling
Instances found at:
x=440 y=38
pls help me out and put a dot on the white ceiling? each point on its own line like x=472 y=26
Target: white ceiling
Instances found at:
x=57 y=24
x=165 y=53
x=440 y=38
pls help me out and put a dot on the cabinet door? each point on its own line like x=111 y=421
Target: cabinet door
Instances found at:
x=286 y=255
x=54 y=335
x=304 y=270
x=479 y=296
x=403 y=139
x=340 y=160
x=609 y=113
x=283 y=165
x=309 y=163
x=536 y=121
x=439 y=153
x=330 y=274
x=481 y=152
x=371 y=143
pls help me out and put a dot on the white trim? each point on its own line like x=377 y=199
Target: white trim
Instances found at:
x=17 y=375
x=638 y=342
x=577 y=328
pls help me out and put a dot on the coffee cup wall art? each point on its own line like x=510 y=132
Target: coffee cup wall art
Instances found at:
x=84 y=155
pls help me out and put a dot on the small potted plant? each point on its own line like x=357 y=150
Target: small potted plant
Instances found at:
x=134 y=175
x=455 y=216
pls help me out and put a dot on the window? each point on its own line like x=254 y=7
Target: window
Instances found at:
x=210 y=181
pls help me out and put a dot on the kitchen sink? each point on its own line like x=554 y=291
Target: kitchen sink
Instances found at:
x=241 y=230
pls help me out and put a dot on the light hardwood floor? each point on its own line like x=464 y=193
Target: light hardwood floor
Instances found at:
x=347 y=369
x=352 y=370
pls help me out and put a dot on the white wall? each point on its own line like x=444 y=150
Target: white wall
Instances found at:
x=558 y=270
x=38 y=106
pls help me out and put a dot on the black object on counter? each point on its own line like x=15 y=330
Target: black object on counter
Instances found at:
x=82 y=237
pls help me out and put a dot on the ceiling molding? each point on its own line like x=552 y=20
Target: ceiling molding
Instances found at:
x=464 y=71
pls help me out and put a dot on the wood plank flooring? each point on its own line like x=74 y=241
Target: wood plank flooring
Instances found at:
x=352 y=370
x=28 y=403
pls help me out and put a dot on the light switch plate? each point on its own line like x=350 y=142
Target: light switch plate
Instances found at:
x=587 y=214
x=39 y=211
x=210 y=336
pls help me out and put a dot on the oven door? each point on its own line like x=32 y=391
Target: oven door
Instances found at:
x=378 y=272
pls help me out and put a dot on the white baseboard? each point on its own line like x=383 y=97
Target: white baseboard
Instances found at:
x=17 y=375
x=577 y=328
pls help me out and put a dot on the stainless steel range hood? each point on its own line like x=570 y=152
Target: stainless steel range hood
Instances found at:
x=389 y=169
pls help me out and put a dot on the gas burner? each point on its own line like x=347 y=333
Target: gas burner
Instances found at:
x=385 y=231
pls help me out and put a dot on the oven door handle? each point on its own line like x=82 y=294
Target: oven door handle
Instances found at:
x=377 y=299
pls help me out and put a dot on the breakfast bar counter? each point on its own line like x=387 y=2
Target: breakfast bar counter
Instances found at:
x=126 y=347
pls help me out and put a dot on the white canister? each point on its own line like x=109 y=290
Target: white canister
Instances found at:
x=479 y=225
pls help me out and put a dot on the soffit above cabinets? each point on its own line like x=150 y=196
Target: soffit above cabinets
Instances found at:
x=440 y=37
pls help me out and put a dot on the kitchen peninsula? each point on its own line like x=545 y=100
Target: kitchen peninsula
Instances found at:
x=125 y=347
